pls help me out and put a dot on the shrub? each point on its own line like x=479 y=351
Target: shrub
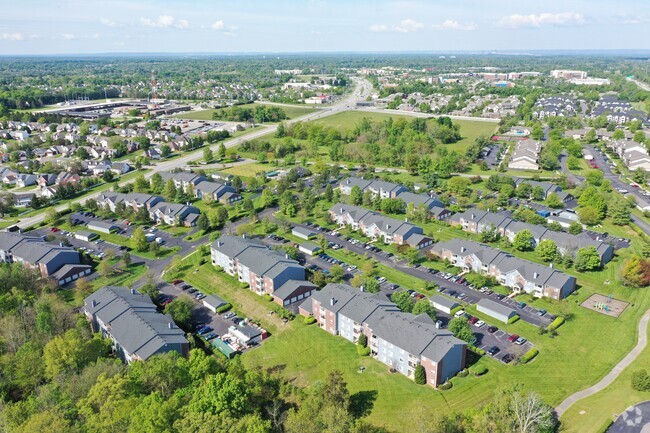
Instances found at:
x=513 y=319
x=476 y=350
x=363 y=351
x=456 y=310
x=555 y=324
x=641 y=380
x=310 y=320
x=268 y=297
x=420 y=375
x=529 y=355
x=224 y=308
x=283 y=313
x=478 y=370
x=445 y=386
x=463 y=373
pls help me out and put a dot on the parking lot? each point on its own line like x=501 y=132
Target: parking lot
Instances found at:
x=94 y=248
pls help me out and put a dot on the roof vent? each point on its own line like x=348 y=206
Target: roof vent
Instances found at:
x=473 y=216
x=93 y=303
x=171 y=325
x=535 y=275
x=332 y=301
x=550 y=265
x=462 y=249
x=133 y=292
x=219 y=243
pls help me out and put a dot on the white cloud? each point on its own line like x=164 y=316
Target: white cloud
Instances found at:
x=110 y=23
x=182 y=24
x=218 y=25
x=454 y=25
x=68 y=36
x=95 y=36
x=379 y=28
x=535 y=21
x=404 y=26
x=12 y=37
x=162 y=22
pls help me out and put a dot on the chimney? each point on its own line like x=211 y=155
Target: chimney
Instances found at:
x=243 y=236
x=219 y=243
x=286 y=256
x=535 y=275
x=170 y=325
x=550 y=265
x=462 y=249
x=341 y=210
x=133 y=292
x=473 y=216
x=406 y=220
x=332 y=301
x=93 y=303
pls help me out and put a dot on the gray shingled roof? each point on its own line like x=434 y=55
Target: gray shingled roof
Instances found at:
x=496 y=307
x=290 y=286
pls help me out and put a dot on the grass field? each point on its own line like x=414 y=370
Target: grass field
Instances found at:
x=291 y=112
x=248 y=170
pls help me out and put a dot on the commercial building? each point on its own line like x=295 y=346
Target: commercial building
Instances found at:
x=495 y=310
x=520 y=275
x=133 y=324
x=400 y=340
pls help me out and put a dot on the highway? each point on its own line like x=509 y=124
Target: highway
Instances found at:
x=361 y=91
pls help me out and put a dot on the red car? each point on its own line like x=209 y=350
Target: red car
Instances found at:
x=472 y=320
x=513 y=338
x=176 y=282
x=54 y=229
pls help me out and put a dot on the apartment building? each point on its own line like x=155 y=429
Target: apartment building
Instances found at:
x=525 y=155
x=138 y=331
x=400 y=340
x=109 y=200
x=519 y=275
x=378 y=226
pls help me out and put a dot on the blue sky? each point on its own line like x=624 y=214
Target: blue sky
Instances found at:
x=91 y=26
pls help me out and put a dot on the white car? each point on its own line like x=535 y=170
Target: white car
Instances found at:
x=459 y=313
x=479 y=324
x=382 y=279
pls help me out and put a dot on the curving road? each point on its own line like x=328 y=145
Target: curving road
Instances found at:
x=615 y=372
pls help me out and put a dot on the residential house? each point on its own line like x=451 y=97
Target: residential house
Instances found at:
x=525 y=155
x=217 y=191
x=174 y=214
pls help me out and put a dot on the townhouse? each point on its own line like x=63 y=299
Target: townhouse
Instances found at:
x=174 y=214
x=634 y=155
x=400 y=340
x=130 y=320
x=477 y=221
x=561 y=106
x=135 y=201
x=548 y=188
x=377 y=226
x=525 y=155
x=385 y=189
x=216 y=191
x=266 y=271
x=616 y=110
x=517 y=274
x=62 y=264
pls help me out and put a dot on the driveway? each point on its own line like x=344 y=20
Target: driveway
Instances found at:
x=635 y=419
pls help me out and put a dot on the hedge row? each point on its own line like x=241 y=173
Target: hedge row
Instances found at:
x=556 y=323
x=478 y=370
x=476 y=350
x=224 y=308
x=309 y=320
x=529 y=355
x=463 y=373
x=445 y=386
x=456 y=310
x=513 y=319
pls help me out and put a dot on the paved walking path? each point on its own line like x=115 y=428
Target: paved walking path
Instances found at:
x=615 y=372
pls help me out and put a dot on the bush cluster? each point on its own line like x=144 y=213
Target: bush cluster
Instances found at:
x=513 y=319
x=529 y=355
x=224 y=308
x=555 y=324
x=445 y=386
x=478 y=370
x=310 y=320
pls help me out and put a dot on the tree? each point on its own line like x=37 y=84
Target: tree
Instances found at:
x=537 y=193
x=165 y=151
x=356 y=197
x=461 y=329
x=575 y=228
x=537 y=133
x=423 y=306
x=157 y=183
x=587 y=259
x=547 y=250
x=222 y=150
x=490 y=234
x=403 y=300
x=170 y=190
x=329 y=193
x=108 y=404
x=594 y=177
x=52 y=216
x=336 y=274
x=141 y=184
x=619 y=211
x=371 y=285
x=126 y=259
x=70 y=352
x=530 y=413
x=203 y=223
x=208 y=157
x=105 y=268
x=247 y=206
x=181 y=310
x=618 y=135
x=138 y=240
x=154 y=248
x=636 y=272
x=523 y=241
x=459 y=185
x=589 y=215
x=420 y=375
x=237 y=183
x=108 y=176
x=554 y=202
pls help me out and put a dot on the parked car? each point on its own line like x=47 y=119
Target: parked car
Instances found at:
x=521 y=304
x=520 y=341
x=507 y=358
x=541 y=313
x=459 y=313
x=473 y=320
x=513 y=338
x=479 y=324
x=492 y=329
x=493 y=350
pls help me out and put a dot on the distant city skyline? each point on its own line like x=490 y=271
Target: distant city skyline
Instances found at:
x=216 y=26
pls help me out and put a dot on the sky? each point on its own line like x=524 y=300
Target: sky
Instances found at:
x=240 y=26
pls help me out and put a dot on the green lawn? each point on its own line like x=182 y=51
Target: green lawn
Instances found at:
x=121 y=278
x=347 y=120
x=291 y=112
x=248 y=170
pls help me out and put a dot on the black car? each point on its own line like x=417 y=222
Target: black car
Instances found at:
x=492 y=329
x=499 y=296
x=493 y=350
x=507 y=358
x=451 y=293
